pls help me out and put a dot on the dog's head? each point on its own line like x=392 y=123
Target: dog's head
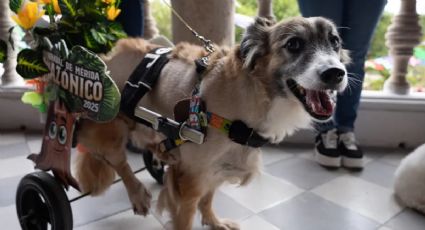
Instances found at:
x=302 y=57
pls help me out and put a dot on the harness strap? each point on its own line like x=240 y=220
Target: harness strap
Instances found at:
x=237 y=131
x=142 y=80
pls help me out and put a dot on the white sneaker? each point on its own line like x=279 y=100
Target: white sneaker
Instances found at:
x=326 y=150
x=352 y=155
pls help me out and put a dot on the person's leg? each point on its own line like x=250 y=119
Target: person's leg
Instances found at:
x=132 y=17
x=359 y=22
x=360 y=18
x=331 y=9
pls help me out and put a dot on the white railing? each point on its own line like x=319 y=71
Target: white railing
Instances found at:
x=402 y=36
x=9 y=78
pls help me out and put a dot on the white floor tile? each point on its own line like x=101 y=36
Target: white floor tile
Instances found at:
x=256 y=223
x=15 y=166
x=34 y=145
x=384 y=228
x=395 y=158
x=263 y=192
x=125 y=220
x=9 y=218
x=310 y=156
x=12 y=138
x=272 y=154
x=365 y=198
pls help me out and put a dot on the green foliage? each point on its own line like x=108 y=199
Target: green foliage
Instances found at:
x=15 y=5
x=377 y=46
x=162 y=15
x=285 y=9
x=3 y=51
x=416 y=77
x=422 y=23
x=30 y=64
x=281 y=8
x=83 y=22
x=68 y=7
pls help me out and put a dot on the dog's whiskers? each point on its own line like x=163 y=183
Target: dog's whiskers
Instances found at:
x=343 y=27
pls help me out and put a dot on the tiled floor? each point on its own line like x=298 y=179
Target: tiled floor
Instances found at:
x=292 y=193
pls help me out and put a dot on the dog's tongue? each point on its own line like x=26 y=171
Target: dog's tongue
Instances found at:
x=319 y=102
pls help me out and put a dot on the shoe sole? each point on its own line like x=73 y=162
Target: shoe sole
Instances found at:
x=327 y=161
x=354 y=163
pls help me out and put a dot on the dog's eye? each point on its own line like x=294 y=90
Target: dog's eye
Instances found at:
x=335 y=41
x=294 y=45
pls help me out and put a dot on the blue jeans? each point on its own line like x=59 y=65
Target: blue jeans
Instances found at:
x=131 y=17
x=356 y=21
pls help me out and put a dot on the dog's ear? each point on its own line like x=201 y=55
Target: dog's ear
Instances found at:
x=345 y=56
x=255 y=42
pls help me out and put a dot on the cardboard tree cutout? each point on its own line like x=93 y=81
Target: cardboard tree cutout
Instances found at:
x=56 y=145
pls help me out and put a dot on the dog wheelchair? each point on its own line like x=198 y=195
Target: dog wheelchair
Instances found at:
x=41 y=200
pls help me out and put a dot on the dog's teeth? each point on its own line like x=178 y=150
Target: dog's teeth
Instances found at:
x=300 y=89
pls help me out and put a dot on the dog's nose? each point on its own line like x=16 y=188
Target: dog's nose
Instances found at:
x=332 y=76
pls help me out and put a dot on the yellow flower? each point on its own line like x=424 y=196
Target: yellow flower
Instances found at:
x=56 y=6
x=112 y=12
x=28 y=15
x=110 y=2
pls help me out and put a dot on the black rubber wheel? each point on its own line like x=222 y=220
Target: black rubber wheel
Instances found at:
x=154 y=166
x=42 y=204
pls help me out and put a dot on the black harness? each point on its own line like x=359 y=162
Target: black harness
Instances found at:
x=144 y=78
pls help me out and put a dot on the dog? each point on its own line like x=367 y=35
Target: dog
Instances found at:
x=277 y=80
x=409 y=182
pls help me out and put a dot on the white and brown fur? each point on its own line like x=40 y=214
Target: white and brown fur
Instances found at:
x=246 y=82
x=409 y=180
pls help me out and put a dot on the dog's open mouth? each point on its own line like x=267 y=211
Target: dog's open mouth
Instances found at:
x=317 y=103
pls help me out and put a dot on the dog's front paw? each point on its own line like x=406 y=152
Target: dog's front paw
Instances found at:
x=169 y=157
x=225 y=224
x=141 y=200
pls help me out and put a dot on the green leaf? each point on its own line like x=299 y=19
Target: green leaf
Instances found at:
x=67 y=24
x=15 y=5
x=111 y=103
x=117 y=30
x=68 y=7
x=3 y=51
x=30 y=64
x=98 y=36
x=89 y=41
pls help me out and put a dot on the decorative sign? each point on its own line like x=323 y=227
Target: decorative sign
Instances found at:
x=82 y=81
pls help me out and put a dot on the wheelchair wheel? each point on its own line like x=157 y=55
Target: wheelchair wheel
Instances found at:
x=154 y=166
x=42 y=204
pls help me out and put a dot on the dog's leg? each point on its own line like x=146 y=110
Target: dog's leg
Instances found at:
x=210 y=219
x=186 y=212
x=187 y=192
x=139 y=196
x=108 y=141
